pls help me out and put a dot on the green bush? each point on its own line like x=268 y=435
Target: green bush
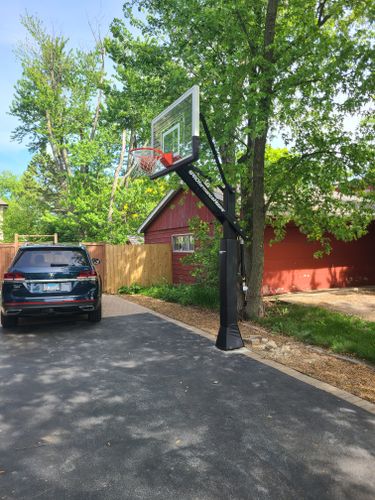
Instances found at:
x=205 y=258
x=185 y=295
x=130 y=290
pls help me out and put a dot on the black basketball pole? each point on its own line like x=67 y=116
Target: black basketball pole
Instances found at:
x=229 y=336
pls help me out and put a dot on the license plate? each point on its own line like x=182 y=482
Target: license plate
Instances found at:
x=51 y=287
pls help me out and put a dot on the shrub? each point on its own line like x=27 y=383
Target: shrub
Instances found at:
x=130 y=290
x=180 y=294
x=205 y=259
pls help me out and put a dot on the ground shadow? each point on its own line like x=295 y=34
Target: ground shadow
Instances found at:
x=137 y=407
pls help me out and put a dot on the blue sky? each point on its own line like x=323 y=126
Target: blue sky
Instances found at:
x=70 y=18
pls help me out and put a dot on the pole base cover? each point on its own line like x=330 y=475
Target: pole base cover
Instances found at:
x=229 y=338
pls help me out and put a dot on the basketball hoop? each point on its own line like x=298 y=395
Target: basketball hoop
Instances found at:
x=148 y=160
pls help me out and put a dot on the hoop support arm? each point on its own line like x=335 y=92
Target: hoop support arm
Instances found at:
x=214 y=151
x=208 y=198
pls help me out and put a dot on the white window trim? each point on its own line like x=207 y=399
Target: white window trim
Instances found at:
x=181 y=251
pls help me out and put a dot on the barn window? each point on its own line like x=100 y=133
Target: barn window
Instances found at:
x=183 y=243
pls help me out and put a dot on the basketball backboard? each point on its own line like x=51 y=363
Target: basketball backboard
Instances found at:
x=176 y=131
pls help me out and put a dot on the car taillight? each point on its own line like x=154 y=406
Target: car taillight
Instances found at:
x=14 y=276
x=87 y=274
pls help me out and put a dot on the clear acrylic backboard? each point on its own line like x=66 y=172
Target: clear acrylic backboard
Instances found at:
x=176 y=131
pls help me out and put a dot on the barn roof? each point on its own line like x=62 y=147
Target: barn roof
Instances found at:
x=158 y=209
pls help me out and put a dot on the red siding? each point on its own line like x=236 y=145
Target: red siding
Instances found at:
x=289 y=265
x=178 y=212
x=174 y=219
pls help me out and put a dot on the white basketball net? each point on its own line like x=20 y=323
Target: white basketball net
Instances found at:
x=146 y=160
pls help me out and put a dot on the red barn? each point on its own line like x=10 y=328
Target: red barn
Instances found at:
x=169 y=223
x=288 y=265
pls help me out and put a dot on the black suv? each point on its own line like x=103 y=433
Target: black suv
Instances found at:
x=50 y=279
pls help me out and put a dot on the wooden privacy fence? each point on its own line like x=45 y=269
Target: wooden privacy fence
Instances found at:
x=121 y=265
x=7 y=252
x=142 y=264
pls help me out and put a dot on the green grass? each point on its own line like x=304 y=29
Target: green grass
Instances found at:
x=314 y=325
x=186 y=295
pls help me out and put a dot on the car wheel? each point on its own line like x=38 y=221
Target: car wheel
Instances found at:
x=96 y=315
x=8 y=321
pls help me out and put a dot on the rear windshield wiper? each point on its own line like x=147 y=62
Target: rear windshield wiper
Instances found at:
x=59 y=265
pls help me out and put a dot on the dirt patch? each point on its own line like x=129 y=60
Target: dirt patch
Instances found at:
x=355 y=301
x=352 y=376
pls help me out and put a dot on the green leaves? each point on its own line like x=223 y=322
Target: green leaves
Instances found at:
x=77 y=134
x=204 y=261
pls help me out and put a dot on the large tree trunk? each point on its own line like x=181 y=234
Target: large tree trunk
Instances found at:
x=254 y=301
x=59 y=152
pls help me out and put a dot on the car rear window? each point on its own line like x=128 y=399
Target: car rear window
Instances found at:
x=52 y=258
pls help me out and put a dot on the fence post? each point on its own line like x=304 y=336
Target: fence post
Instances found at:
x=55 y=238
x=105 y=268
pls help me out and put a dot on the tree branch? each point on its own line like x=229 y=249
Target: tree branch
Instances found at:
x=300 y=83
x=60 y=160
x=116 y=175
x=321 y=18
x=298 y=161
x=245 y=31
x=130 y=163
x=100 y=94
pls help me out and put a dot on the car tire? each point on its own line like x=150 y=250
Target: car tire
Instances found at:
x=95 y=316
x=8 y=321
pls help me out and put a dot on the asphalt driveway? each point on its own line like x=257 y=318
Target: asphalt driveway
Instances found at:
x=139 y=408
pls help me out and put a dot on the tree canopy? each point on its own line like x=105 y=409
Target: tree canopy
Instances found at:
x=79 y=180
x=299 y=70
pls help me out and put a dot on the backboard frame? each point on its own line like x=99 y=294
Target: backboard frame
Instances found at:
x=194 y=156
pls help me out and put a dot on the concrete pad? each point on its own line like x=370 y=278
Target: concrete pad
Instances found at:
x=355 y=301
